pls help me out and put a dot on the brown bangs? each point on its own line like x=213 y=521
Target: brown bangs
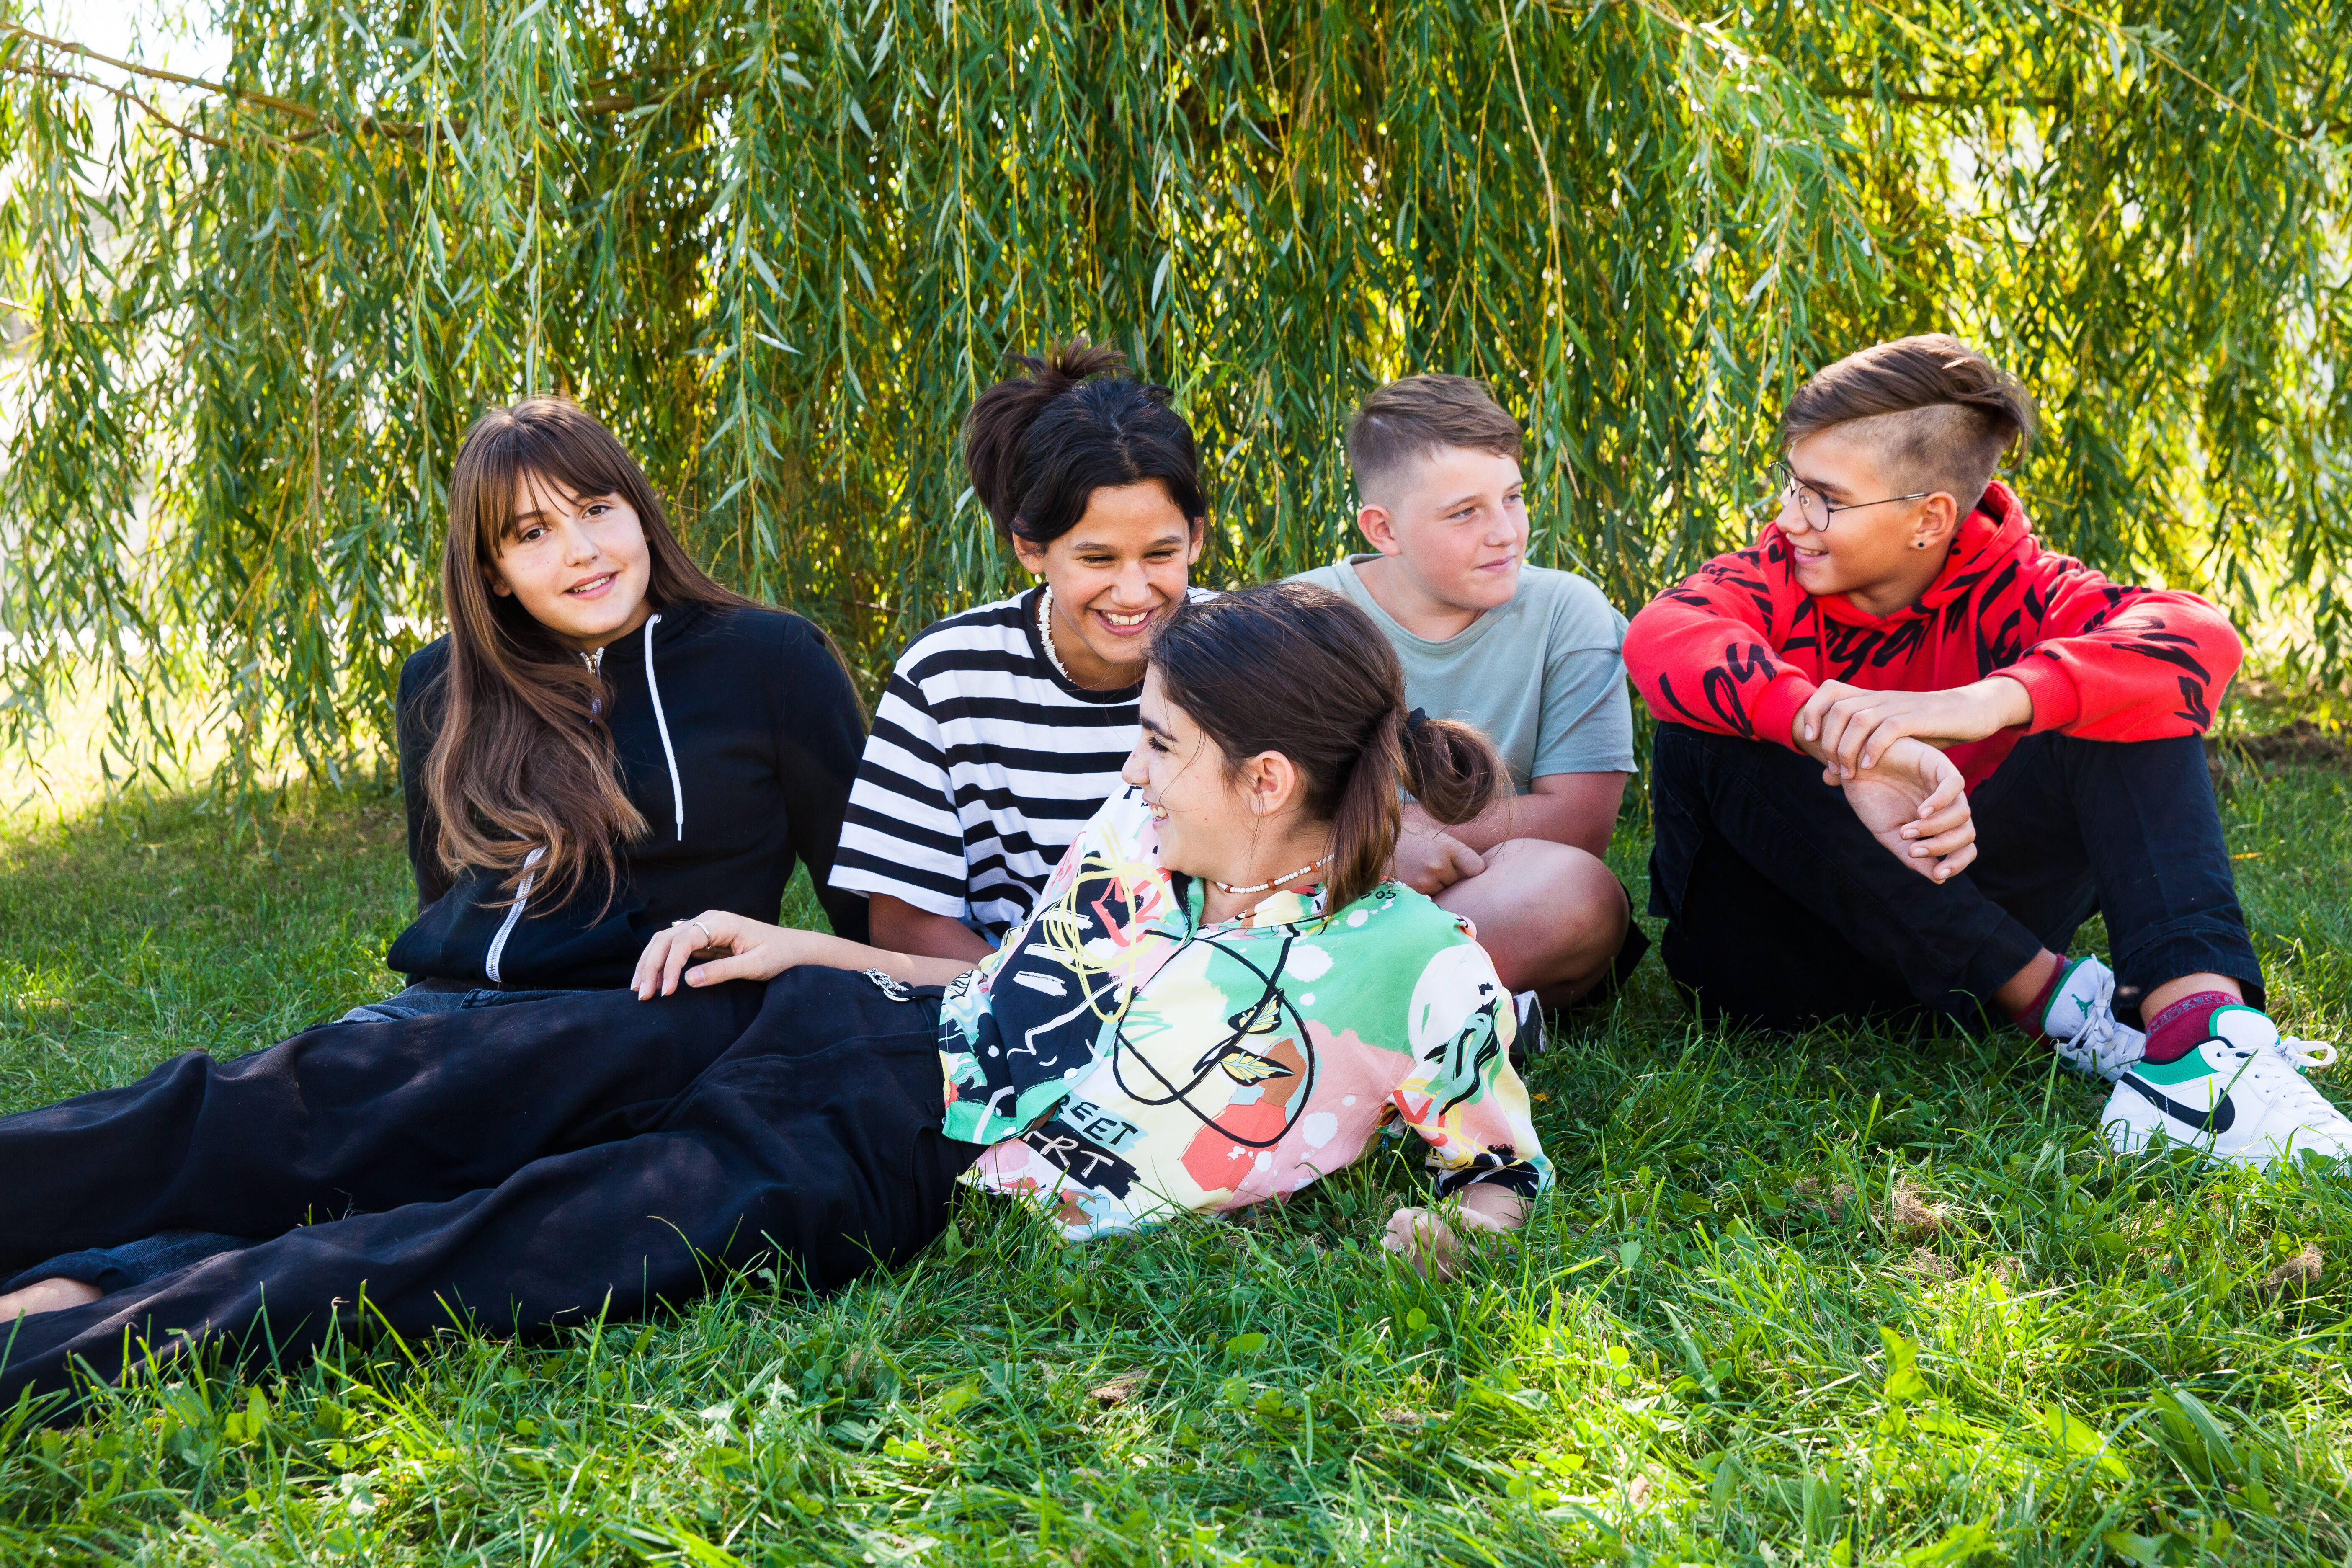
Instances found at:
x=524 y=762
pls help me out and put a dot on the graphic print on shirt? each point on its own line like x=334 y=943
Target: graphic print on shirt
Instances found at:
x=1031 y=1016
x=1224 y=1064
x=1152 y=1133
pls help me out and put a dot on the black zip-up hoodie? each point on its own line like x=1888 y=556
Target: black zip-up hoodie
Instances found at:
x=737 y=735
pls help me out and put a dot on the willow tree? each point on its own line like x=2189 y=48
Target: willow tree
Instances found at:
x=780 y=244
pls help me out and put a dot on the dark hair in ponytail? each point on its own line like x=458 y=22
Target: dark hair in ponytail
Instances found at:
x=1039 y=444
x=1295 y=669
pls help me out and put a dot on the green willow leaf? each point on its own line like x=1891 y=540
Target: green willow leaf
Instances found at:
x=780 y=245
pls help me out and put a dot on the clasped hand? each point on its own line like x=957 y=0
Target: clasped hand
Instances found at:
x=1882 y=748
x=1848 y=728
x=1427 y=859
x=1913 y=801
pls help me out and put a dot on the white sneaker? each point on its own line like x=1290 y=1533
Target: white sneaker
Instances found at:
x=2081 y=1022
x=2241 y=1096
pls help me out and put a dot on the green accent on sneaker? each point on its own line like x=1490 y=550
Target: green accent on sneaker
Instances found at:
x=2058 y=989
x=2192 y=1066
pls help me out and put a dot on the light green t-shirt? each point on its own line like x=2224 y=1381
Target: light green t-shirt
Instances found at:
x=1544 y=675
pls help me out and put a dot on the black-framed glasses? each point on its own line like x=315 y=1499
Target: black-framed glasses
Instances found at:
x=1813 y=506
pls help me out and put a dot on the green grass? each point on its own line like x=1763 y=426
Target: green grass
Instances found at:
x=1857 y=1299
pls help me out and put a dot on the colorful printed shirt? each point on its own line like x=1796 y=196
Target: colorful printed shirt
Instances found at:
x=1127 y=1062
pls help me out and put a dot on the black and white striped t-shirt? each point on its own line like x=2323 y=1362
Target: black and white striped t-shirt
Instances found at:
x=982 y=766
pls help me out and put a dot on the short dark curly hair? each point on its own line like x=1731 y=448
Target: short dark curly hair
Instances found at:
x=1038 y=445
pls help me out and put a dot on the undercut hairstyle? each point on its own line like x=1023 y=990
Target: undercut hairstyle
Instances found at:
x=1039 y=444
x=1298 y=670
x=1410 y=420
x=1935 y=413
x=522 y=760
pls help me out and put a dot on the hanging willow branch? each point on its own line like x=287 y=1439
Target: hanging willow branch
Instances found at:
x=780 y=247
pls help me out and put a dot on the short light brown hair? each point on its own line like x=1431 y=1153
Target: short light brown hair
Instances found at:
x=1412 y=419
x=1938 y=415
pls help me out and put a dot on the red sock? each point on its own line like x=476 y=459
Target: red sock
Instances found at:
x=2181 y=1027
x=2030 y=1019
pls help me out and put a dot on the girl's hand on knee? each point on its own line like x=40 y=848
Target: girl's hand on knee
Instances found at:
x=729 y=946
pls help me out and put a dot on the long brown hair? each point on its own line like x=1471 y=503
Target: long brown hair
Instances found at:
x=1298 y=670
x=523 y=761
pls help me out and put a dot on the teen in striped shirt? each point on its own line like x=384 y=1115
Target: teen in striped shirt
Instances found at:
x=1003 y=728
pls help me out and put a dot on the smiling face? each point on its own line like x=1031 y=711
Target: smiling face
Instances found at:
x=578 y=565
x=1456 y=525
x=1233 y=825
x=1881 y=557
x=1125 y=562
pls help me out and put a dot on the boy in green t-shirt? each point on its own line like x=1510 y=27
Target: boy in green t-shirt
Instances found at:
x=1532 y=656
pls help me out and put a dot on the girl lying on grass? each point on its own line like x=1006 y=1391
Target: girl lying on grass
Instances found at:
x=1216 y=1001
x=605 y=742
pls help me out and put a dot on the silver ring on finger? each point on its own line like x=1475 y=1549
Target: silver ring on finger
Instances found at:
x=708 y=940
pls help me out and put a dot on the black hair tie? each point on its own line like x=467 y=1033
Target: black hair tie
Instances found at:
x=1415 y=719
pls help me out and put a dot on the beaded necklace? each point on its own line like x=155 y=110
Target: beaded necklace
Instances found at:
x=1045 y=633
x=1282 y=881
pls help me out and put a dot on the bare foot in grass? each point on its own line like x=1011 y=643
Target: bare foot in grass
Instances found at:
x=47 y=1296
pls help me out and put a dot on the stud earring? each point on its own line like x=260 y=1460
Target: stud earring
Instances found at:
x=1918 y=545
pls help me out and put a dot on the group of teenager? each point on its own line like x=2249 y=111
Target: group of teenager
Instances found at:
x=1149 y=901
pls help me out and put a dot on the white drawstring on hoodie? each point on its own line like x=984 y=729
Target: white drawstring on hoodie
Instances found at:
x=676 y=802
x=661 y=722
x=514 y=913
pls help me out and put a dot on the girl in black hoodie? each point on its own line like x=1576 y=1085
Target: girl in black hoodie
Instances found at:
x=607 y=743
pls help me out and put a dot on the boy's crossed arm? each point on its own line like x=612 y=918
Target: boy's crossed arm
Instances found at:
x=1884 y=750
x=1847 y=729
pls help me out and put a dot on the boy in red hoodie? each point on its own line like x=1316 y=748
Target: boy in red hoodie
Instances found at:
x=1904 y=752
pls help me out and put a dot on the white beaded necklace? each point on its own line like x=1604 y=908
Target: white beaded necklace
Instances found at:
x=1045 y=633
x=1282 y=881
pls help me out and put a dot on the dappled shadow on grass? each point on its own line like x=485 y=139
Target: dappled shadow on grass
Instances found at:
x=133 y=932
x=1845 y=1298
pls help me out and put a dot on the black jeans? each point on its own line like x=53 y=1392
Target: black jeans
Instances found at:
x=112 y=1268
x=1783 y=911
x=527 y=1165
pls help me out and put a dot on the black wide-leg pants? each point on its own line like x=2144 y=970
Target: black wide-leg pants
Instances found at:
x=1782 y=911
x=518 y=1167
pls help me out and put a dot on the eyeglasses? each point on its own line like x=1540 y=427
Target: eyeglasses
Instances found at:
x=1813 y=506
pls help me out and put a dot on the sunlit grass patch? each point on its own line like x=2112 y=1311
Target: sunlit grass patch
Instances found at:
x=1863 y=1297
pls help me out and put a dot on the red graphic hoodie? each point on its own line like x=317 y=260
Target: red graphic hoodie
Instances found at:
x=1736 y=647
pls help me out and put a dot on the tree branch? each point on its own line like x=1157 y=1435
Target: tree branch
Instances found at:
x=19 y=68
x=1840 y=91
x=321 y=122
x=155 y=74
